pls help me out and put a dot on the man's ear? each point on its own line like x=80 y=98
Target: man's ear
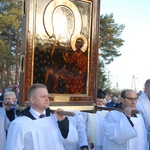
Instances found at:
x=32 y=100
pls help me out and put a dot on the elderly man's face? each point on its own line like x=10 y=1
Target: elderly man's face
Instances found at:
x=9 y=98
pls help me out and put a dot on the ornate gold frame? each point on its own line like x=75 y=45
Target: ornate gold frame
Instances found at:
x=31 y=14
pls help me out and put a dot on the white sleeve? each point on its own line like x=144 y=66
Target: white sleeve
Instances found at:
x=117 y=127
x=81 y=128
x=72 y=137
x=14 y=137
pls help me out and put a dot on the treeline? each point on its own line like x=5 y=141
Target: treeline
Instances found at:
x=10 y=36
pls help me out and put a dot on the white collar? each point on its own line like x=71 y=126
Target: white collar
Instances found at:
x=35 y=113
x=109 y=101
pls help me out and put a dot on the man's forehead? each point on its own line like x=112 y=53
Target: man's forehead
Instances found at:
x=100 y=99
x=131 y=93
x=43 y=91
x=8 y=95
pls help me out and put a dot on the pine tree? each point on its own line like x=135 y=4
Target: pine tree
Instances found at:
x=10 y=30
x=110 y=42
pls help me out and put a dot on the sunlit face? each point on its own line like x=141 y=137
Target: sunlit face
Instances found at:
x=100 y=102
x=108 y=97
x=129 y=100
x=40 y=100
x=9 y=98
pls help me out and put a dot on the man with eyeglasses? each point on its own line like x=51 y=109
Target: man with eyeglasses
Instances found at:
x=143 y=105
x=122 y=129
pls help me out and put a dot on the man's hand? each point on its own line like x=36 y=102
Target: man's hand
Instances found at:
x=59 y=117
x=127 y=111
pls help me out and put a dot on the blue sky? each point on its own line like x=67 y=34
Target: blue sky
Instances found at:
x=135 y=58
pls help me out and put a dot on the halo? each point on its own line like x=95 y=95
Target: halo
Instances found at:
x=73 y=41
x=48 y=12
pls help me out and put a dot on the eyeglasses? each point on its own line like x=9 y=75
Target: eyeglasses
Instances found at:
x=131 y=99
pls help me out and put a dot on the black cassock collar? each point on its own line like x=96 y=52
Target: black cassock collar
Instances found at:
x=27 y=113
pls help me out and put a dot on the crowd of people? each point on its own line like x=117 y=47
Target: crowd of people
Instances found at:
x=38 y=128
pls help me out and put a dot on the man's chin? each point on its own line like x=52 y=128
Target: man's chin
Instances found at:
x=46 y=106
x=133 y=107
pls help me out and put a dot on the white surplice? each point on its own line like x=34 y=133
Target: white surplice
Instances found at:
x=41 y=134
x=120 y=135
x=99 y=129
x=143 y=104
x=95 y=129
x=78 y=122
x=4 y=124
